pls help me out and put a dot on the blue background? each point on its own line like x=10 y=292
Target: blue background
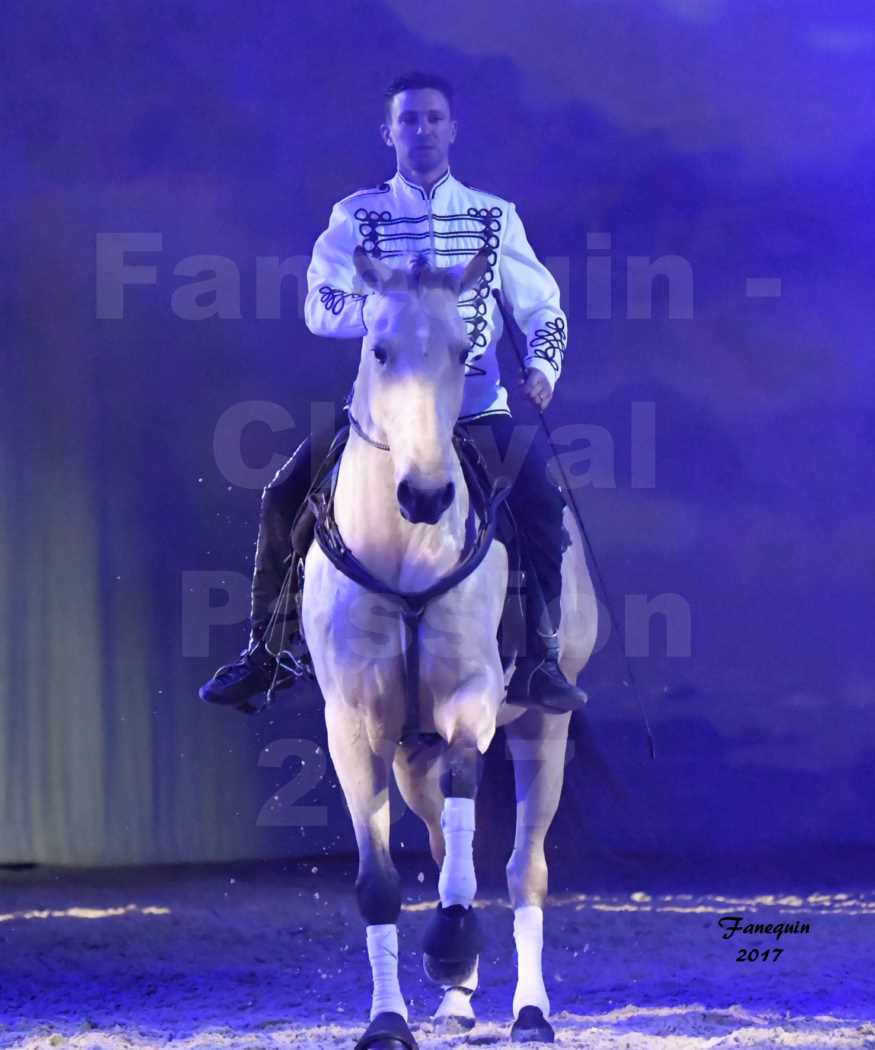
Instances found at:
x=737 y=136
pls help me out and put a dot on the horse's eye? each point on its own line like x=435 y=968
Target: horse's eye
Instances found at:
x=380 y=354
x=463 y=356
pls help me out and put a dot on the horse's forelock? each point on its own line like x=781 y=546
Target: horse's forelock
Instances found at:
x=429 y=279
x=417 y=280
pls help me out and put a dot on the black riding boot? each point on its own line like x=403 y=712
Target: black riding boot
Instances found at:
x=538 y=680
x=273 y=619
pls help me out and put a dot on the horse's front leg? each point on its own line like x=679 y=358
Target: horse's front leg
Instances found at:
x=364 y=778
x=466 y=721
x=537 y=743
x=419 y=775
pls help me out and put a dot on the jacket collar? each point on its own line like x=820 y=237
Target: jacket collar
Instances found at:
x=443 y=181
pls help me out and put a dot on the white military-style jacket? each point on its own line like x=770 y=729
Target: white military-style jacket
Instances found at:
x=398 y=220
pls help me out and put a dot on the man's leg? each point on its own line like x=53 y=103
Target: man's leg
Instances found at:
x=253 y=672
x=280 y=502
x=537 y=505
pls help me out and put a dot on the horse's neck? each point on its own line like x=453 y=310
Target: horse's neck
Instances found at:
x=405 y=556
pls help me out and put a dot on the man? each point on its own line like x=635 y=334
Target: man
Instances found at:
x=424 y=211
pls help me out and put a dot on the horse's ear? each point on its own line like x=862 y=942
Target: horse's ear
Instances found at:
x=375 y=273
x=475 y=270
x=459 y=279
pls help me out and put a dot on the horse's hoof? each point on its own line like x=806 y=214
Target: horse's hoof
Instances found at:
x=453 y=1024
x=454 y=1015
x=387 y=1031
x=451 y=945
x=532 y=1027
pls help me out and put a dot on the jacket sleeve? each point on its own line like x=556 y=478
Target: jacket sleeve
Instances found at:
x=335 y=301
x=533 y=296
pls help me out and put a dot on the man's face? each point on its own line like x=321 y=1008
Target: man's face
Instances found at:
x=421 y=129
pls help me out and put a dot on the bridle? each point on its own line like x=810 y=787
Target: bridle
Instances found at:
x=360 y=430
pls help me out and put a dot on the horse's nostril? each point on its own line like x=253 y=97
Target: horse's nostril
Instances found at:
x=424 y=506
x=405 y=493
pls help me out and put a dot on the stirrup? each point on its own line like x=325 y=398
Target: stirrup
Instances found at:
x=292 y=663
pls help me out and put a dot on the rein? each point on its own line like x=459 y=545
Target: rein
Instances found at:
x=413 y=603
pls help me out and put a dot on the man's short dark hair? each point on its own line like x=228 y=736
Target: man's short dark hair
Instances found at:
x=414 y=82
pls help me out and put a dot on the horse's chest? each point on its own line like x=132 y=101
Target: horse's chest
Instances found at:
x=358 y=643
x=354 y=635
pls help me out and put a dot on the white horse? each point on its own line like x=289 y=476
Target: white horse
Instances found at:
x=402 y=511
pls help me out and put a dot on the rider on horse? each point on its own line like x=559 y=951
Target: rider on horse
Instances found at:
x=424 y=212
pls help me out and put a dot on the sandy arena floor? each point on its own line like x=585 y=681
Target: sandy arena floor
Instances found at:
x=252 y=956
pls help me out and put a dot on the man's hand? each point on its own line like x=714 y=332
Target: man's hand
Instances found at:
x=536 y=387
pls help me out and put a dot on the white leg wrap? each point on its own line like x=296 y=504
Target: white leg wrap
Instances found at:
x=383 y=954
x=528 y=932
x=457 y=883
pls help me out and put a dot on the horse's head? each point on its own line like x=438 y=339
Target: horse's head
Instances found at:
x=412 y=372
